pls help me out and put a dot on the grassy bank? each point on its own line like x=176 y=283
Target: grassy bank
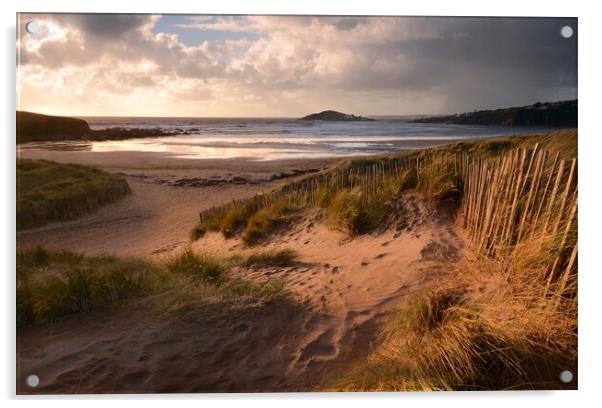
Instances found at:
x=55 y=284
x=49 y=191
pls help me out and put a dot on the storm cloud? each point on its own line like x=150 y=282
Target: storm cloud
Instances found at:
x=107 y=64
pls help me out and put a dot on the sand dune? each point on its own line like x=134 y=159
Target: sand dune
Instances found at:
x=341 y=291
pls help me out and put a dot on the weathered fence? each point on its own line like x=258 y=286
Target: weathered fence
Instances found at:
x=368 y=177
x=523 y=197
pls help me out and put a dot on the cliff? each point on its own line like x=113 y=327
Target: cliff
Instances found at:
x=33 y=127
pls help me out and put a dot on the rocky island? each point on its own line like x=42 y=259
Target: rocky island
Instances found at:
x=334 y=116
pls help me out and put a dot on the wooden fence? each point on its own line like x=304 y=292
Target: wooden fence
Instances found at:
x=523 y=197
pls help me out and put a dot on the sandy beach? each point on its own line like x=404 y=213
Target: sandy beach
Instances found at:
x=167 y=196
x=341 y=289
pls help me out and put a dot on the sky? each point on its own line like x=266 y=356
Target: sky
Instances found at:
x=289 y=66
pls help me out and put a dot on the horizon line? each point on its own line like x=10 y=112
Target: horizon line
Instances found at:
x=298 y=116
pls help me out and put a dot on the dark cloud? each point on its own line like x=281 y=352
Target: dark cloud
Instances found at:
x=347 y=23
x=107 y=26
x=494 y=56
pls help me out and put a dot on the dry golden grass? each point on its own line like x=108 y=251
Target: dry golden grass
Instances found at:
x=459 y=338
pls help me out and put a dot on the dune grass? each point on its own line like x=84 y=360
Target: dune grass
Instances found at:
x=253 y=224
x=54 y=284
x=349 y=212
x=200 y=267
x=266 y=221
x=229 y=223
x=49 y=191
x=448 y=339
x=274 y=257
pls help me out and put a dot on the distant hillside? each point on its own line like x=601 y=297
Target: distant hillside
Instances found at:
x=334 y=116
x=563 y=113
x=32 y=127
x=35 y=127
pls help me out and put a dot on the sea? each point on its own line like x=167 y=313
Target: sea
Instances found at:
x=281 y=139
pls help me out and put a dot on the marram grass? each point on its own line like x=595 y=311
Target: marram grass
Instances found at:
x=54 y=284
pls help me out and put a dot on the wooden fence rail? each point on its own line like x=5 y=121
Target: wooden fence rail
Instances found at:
x=523 y=197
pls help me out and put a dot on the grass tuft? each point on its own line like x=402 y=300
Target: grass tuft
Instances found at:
x=444 y=340
x=201 y=267
x=349 y=212
x=265 y=222
x=54 y=284
x=280 y=257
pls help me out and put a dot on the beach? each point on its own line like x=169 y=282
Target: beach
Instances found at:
x=342 y=290
x=310 y=203
x=174 y=178
x=332 y=319
x=167 y=196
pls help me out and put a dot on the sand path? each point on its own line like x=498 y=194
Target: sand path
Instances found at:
x=341 y=292
x=153 y=220
x=167 y=196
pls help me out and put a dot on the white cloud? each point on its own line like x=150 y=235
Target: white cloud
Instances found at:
x=115 y=64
